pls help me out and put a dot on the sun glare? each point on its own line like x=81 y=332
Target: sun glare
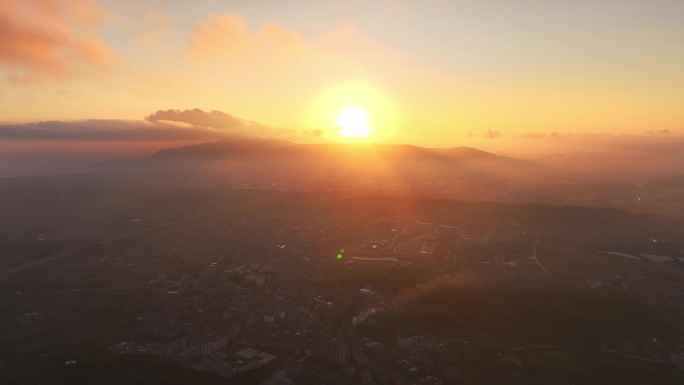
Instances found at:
x=353 y=123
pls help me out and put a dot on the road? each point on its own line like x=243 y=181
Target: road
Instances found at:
x=20 y=268
x=149 y=229
x=590 y=352
x=100 y=289
x=40 y=262
x=534 y=254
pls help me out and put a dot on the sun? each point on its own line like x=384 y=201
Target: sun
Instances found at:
x=353 y=123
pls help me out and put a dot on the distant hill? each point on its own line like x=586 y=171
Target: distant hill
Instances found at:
x=224 y=148
x=279 y=158
x=619 y=180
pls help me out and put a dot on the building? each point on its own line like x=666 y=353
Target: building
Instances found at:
x=174 y=347
x=448 y=231
x=372 y=263
x=365 y=377
x=234 y=330
x=188 y=356
x=227 y=364
x=220 y=343
x=206 y=348
x=348 y=370
x=333 y=350
x=219 y=365
x=162 y=277
x=360 y=358
x=430 y=380
x=415 y=342
x=416 y=251
x=423 y=226
x=407 y=368
x=256 y=280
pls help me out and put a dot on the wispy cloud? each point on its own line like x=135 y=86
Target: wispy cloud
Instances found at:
x=44 y=40
x=664 y=131
x=492 y=134
x=274 y=52
x=488 y=133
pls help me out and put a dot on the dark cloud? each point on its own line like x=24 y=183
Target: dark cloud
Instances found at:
x=103 y=130
x=171 y=125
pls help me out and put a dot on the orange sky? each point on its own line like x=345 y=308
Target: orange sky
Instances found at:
x=438 y=74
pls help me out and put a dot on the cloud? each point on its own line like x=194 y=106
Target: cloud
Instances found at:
x=532 y=135
x=273 y=53
x=108 y=130
x=219 y=60
x=157 y=26
x=70 y=94
x=50 y=39
x=655 y=143
x=228 y=124
x=220 y=35
x=213 y=119
x=164 y=125
x=488 y=134
x=491 y=134
x=664 y=131
x=226 y=36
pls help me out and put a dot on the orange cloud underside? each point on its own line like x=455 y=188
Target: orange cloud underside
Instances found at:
x=43 y=40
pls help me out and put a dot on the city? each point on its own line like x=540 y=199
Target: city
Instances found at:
x=256 y=285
